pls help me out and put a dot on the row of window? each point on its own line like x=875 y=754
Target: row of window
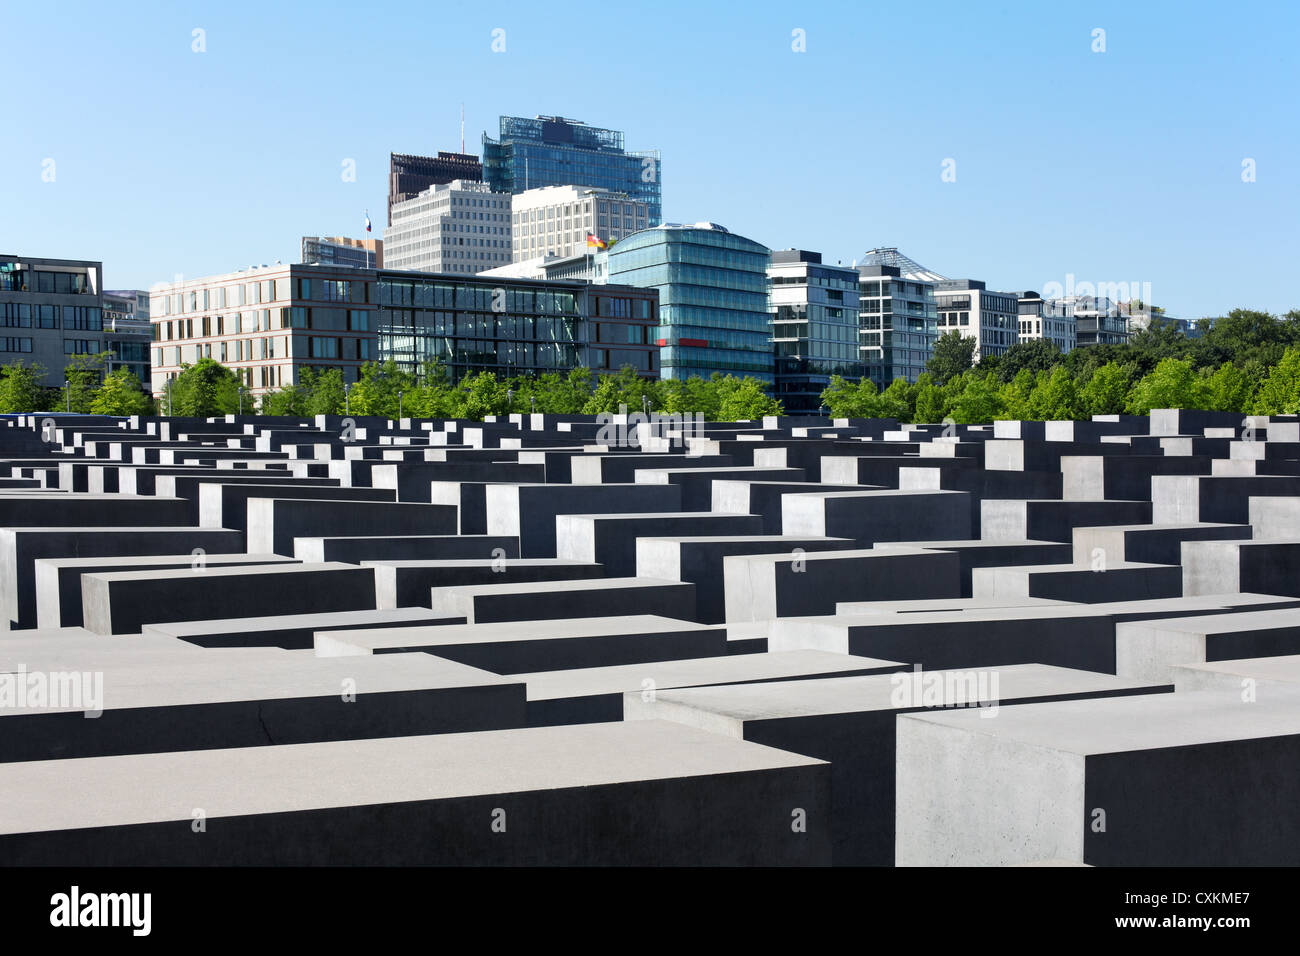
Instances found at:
x=38 y=280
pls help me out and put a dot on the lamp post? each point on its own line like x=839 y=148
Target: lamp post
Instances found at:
x=241 y=399
x=67 y=390
x=347 y=404
x=399 y=409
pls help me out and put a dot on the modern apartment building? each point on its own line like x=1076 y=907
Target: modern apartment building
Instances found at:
x=1097 y=320
x=554 y=151
x=990 y=318
x=127 y=332
x=50 y=311
x=1044 y=319
x=897 y=323
x=265 y=323
x=713 y=296
x=556 y=220
x=343 y=251
x=459 y=227
x=268 y=323
x=814 y=309
x=409 y=175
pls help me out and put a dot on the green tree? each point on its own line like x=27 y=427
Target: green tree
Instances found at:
x=624 y=388
x=1106 y=390
x=1279 y=393
x=81 y=378
x=323 y=392
x=1172 y=384
x=1035 y=355
x=979 y=401
x=289 y=401
x=1056 y=397
x=847 y=399
x=930 y=406
x=953 y=355
x=1017 y=395
x=21 y=389
x=1229 y=389
x=203 y=389
x=746 y=399
x=121 y=394
x=377 y=390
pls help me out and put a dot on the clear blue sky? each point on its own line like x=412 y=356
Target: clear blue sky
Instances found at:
x=1117 y=166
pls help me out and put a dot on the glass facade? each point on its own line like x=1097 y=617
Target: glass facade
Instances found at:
x=713 y=300
x=513 y=327
x=897 y=324
x=814 y=311
x=553 y=151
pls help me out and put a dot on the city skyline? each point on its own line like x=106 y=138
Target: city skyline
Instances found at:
x=1117 y=166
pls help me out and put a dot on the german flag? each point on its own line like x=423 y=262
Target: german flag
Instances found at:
x=595 y=242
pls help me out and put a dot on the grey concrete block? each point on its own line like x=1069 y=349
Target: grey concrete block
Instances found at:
x=20 y=548
x=288 y=631
x=1150 y=649
x=1116 y=581
x=123 y=602
x=592 y=694
x=696 y=484
x=274 y=522
x=763 y=498
x=597 y=794
x=58 y=580
x=1183 y=499
x=1055 y=520
x=154 y=703
x=699 y=560
x=1262 y=567
x=437 y=547
x=611 y=540
x=528 y=512
x=1152 y=544
x=849 y=721
x=869 y=517
x=407 y=583
x=606 y=597
x=764 y=587
x=512 y=647
x=1167 y=771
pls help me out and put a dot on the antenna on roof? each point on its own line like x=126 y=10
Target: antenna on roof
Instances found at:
x=462 y=129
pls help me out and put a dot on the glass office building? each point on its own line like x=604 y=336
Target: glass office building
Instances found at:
x=713 y=297
x=897 y=321
x=51 y=310
x=814 y=310
x=267 y=324
x=554 y=151
x=513 y=327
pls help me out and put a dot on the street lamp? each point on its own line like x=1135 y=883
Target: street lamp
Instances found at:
x=67 y=390
x=347 y=404
x=399 y=409
x=241 y=399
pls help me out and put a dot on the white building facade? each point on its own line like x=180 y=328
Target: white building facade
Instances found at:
x=459 y=227
x=556 y=220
